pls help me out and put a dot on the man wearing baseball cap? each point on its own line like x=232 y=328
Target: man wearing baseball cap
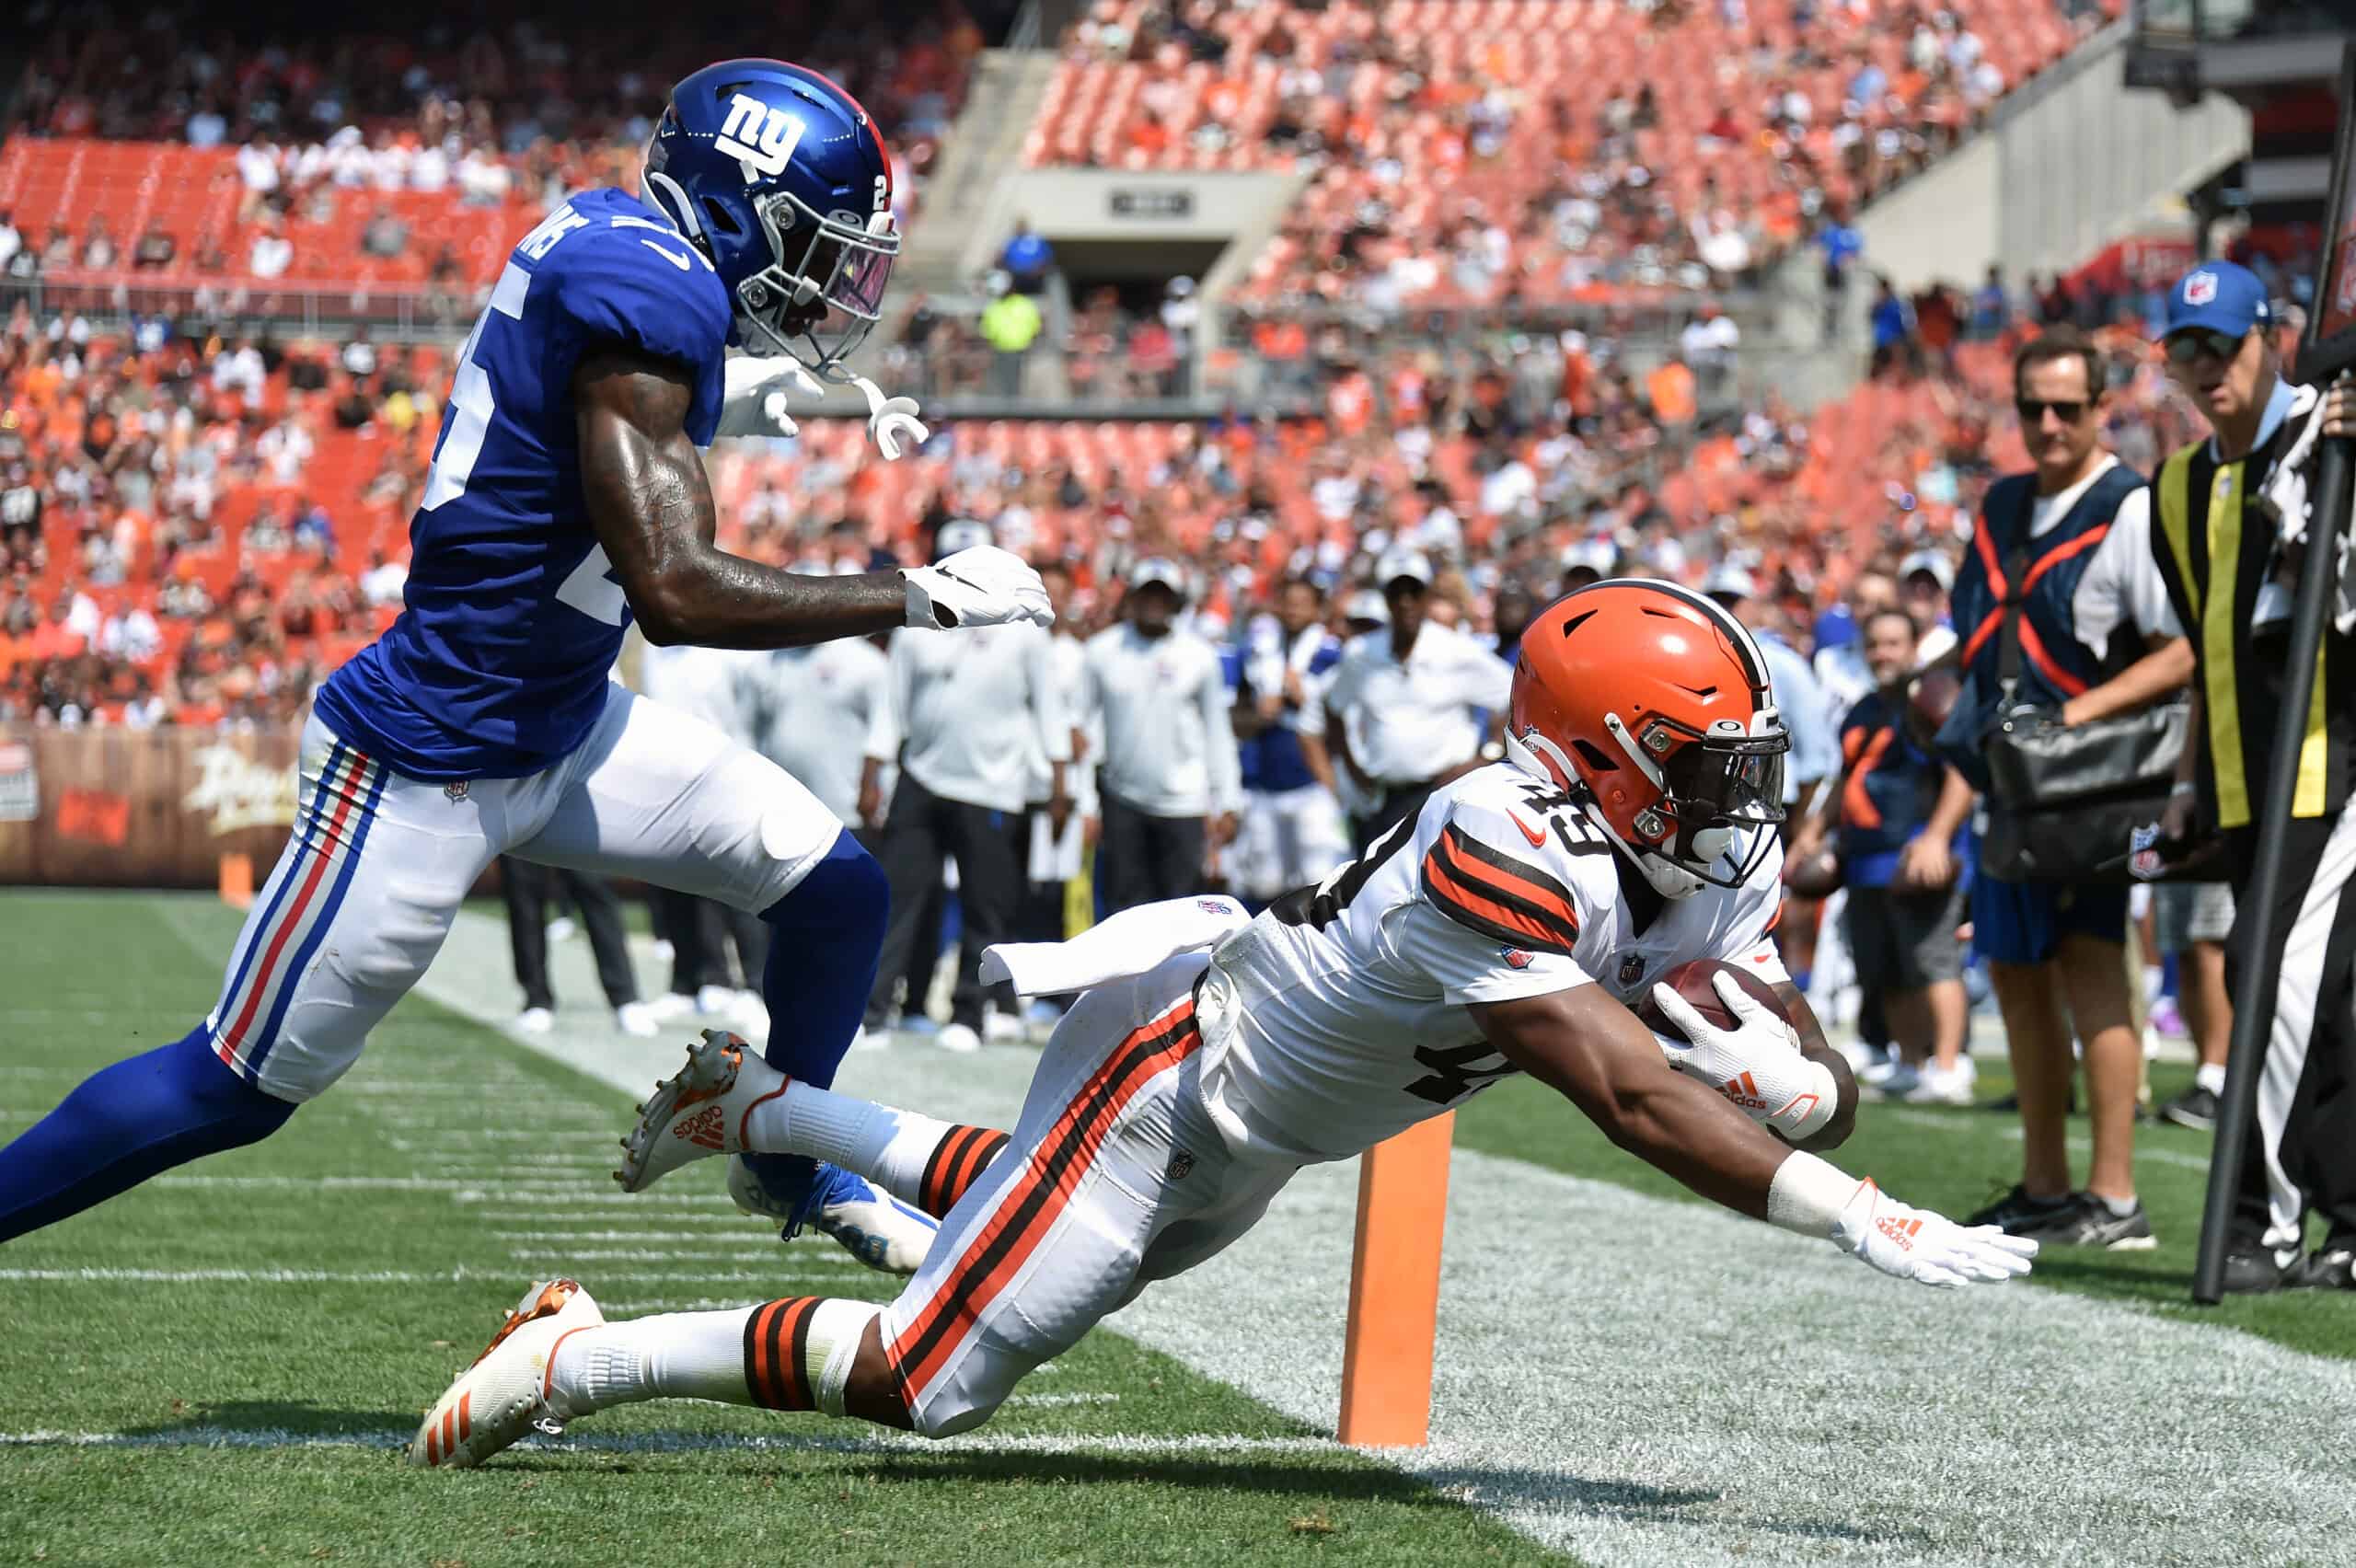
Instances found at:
x=1404 y=709
x=2215 y=507
x=2058 y=612
x=1170 y=781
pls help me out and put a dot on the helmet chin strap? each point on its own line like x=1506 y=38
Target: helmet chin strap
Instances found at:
x=1667 y=878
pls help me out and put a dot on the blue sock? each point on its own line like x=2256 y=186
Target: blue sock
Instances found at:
x=1800 y=978
x=824 y=939
x=140 y=1116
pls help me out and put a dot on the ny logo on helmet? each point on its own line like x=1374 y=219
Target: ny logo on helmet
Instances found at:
x=759 y=137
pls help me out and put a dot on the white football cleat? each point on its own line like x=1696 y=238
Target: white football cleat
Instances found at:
x=534 y=1020
x=960 y=1038
x=504 y=1397
x=698 y=1111
x=637 y=1019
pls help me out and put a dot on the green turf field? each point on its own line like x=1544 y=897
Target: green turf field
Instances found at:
x=221 y=1366
x=254 y=1334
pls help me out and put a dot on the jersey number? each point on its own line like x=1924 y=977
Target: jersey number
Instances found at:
x=470 y=400
x=1322 y=905
x=1454 y=1073
x=595 y=594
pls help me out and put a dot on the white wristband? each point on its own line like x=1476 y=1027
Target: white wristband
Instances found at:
x=1807 y=1195
x=2182 y=786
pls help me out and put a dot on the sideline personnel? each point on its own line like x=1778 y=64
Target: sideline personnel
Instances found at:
x=2055 y=951
x=2222 y=572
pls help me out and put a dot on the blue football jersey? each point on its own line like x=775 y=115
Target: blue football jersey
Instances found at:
x=512 y=619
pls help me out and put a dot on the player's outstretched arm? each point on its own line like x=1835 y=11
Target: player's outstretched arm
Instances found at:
x=1584 y=1044
x=650 y=502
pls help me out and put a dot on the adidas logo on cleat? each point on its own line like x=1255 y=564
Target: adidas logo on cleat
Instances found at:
x=706 y=1128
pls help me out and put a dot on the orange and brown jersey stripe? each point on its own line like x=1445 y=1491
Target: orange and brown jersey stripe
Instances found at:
x=1498 y=896
x=958 y=1160
x=777 y=1346
x=1029 y=1208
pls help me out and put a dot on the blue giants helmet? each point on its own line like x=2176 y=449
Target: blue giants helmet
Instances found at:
x=781 y=179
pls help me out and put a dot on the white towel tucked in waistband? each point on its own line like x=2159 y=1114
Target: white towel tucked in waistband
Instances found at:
x=1121 y=948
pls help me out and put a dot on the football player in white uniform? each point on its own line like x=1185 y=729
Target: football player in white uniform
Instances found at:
x=1210 y=1056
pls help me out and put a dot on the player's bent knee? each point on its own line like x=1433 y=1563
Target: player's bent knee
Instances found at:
x=846 y=892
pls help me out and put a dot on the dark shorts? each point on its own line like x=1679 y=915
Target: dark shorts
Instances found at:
x=1904 y=940
x=2024 y=922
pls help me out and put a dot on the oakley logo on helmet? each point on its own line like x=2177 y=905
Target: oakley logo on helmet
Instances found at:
x=759 y=137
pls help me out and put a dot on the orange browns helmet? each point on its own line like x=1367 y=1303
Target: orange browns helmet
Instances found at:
x=1649 y=704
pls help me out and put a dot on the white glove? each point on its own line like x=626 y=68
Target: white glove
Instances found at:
x=753 y=400
x=1929 y=1249
x=982 y=586
x=890 y=421
x=1757 y=1063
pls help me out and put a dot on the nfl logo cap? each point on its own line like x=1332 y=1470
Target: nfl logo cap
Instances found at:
x=2217 y=297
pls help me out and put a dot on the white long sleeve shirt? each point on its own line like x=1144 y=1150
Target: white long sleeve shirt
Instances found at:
x=1067 y=667
x=1162 y=705
x=977 y=712
x=1414 y=720
x=698 y=681
x=811 y=711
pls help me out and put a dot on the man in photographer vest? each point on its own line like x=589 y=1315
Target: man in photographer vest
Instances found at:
x=2230 y=584
x=2044 y=542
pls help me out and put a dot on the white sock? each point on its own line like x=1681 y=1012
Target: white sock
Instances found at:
x=888 y=1146
x=2210 y=1076
x=687 y=1355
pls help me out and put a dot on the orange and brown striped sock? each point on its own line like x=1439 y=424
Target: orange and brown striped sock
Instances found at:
x=956 y=1163
x=798 y=1351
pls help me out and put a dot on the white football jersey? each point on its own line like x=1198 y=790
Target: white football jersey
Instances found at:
x=1337 y=1017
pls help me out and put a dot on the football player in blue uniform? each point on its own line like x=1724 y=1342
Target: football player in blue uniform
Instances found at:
x=568 y=495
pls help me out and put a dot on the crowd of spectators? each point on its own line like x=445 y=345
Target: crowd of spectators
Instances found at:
x=166 y=549
x=332 y=123
x=162 y=557
x=1679 y=144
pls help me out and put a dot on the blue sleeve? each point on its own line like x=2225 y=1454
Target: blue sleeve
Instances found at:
x=628 y=286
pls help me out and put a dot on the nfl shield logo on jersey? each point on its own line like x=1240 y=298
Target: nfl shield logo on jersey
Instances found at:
x=1631 y=969
x=456 y=791
x=1514 y=958
x=1181 y=1162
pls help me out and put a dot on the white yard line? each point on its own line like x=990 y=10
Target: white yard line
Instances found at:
x=681 y=1442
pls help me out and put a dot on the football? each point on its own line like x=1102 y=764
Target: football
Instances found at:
x=1691 y=981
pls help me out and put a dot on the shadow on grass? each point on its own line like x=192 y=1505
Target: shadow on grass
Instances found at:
x=297 y=1419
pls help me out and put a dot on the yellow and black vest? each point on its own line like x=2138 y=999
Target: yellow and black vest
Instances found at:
x=2212 y=552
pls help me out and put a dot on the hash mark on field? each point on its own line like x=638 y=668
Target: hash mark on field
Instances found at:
x=644 y=1255
x=667 y=1233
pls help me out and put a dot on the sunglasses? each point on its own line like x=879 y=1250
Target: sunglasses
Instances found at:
x=2032 y=411
x=2183 y=347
